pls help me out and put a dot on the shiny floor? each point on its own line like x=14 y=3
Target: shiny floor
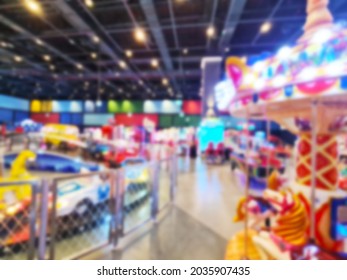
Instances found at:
x=197 y=226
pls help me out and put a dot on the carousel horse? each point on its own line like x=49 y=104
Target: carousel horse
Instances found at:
x=285 y=229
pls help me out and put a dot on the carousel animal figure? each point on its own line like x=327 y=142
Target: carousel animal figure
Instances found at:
x=277 y=226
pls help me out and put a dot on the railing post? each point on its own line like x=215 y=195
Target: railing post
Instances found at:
x=52 y=220
x=173 y=178
x=120 y=202
x=43 y=220
x=32 y=221
x=155 y=190
x=114 y=209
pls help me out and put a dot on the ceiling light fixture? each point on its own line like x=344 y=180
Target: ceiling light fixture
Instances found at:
x=18 y=58
x=94 y=55
x=129 y=53
x=210 y=31
x=89 y=3
x=96 y=39
x=79 y=66
x=185 y=51
x=33 y=6
x=140 y=35
x=265 y=27
x=122 y=64
x=154 y=63
x=38 y=42
x=46 y=57
x=52 y=67
x=165 y=81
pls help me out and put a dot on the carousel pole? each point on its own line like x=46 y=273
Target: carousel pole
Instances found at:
x=314 y=114
x=247 y=187
x=268 y=132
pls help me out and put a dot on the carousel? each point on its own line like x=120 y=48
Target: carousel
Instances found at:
x=303 y=88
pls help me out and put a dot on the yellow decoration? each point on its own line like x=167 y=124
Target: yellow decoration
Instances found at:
x=46 y=106
x=18 y=173
x=289 y=227
x=35 y=106
x=55 y=134
x=240 y=64
x=236 y=247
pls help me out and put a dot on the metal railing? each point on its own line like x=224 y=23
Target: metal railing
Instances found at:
x=70 y=216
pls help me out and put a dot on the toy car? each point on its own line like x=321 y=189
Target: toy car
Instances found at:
x=52 y=162
x=79 y=197
x=114 y=159
x=137 y=179
x=60 y=135
x=79 y=204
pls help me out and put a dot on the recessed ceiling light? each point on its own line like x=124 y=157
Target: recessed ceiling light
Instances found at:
x=211 y=31
x=3 y=44
x=38 y=42
x=79 y=66
x=33 y=6
x=47 y=57
x=140 y=35
x=129 y=53
x=154 y=63
x=93 y=55
x=89 y=3
x=18 y=58
x=185 y=51
x=96 y=39
x=122 y=64
x=265 y=27
x=165 y=81
x=52 y=67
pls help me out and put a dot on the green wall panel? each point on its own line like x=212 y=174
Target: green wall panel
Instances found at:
x=165 y=121
x=125 y=106
x=128 y=106
x=194 y=120
x=113 y=106
x=183 y=121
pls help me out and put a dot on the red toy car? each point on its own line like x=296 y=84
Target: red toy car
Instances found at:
x=114 y=159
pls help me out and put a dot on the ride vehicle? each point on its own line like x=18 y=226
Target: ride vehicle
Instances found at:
x=15 y=200
x=115 y=157
x=81 y=204
x=52 y=162
x=137 y=179
x=60 y=135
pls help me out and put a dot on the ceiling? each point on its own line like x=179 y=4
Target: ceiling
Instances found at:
x=72 y=51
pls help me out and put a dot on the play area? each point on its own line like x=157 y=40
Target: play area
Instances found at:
x=173 y=129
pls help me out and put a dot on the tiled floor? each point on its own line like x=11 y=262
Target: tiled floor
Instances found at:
x=196 y=227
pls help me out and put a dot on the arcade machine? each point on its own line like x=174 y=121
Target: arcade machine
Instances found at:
x=210 y=135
